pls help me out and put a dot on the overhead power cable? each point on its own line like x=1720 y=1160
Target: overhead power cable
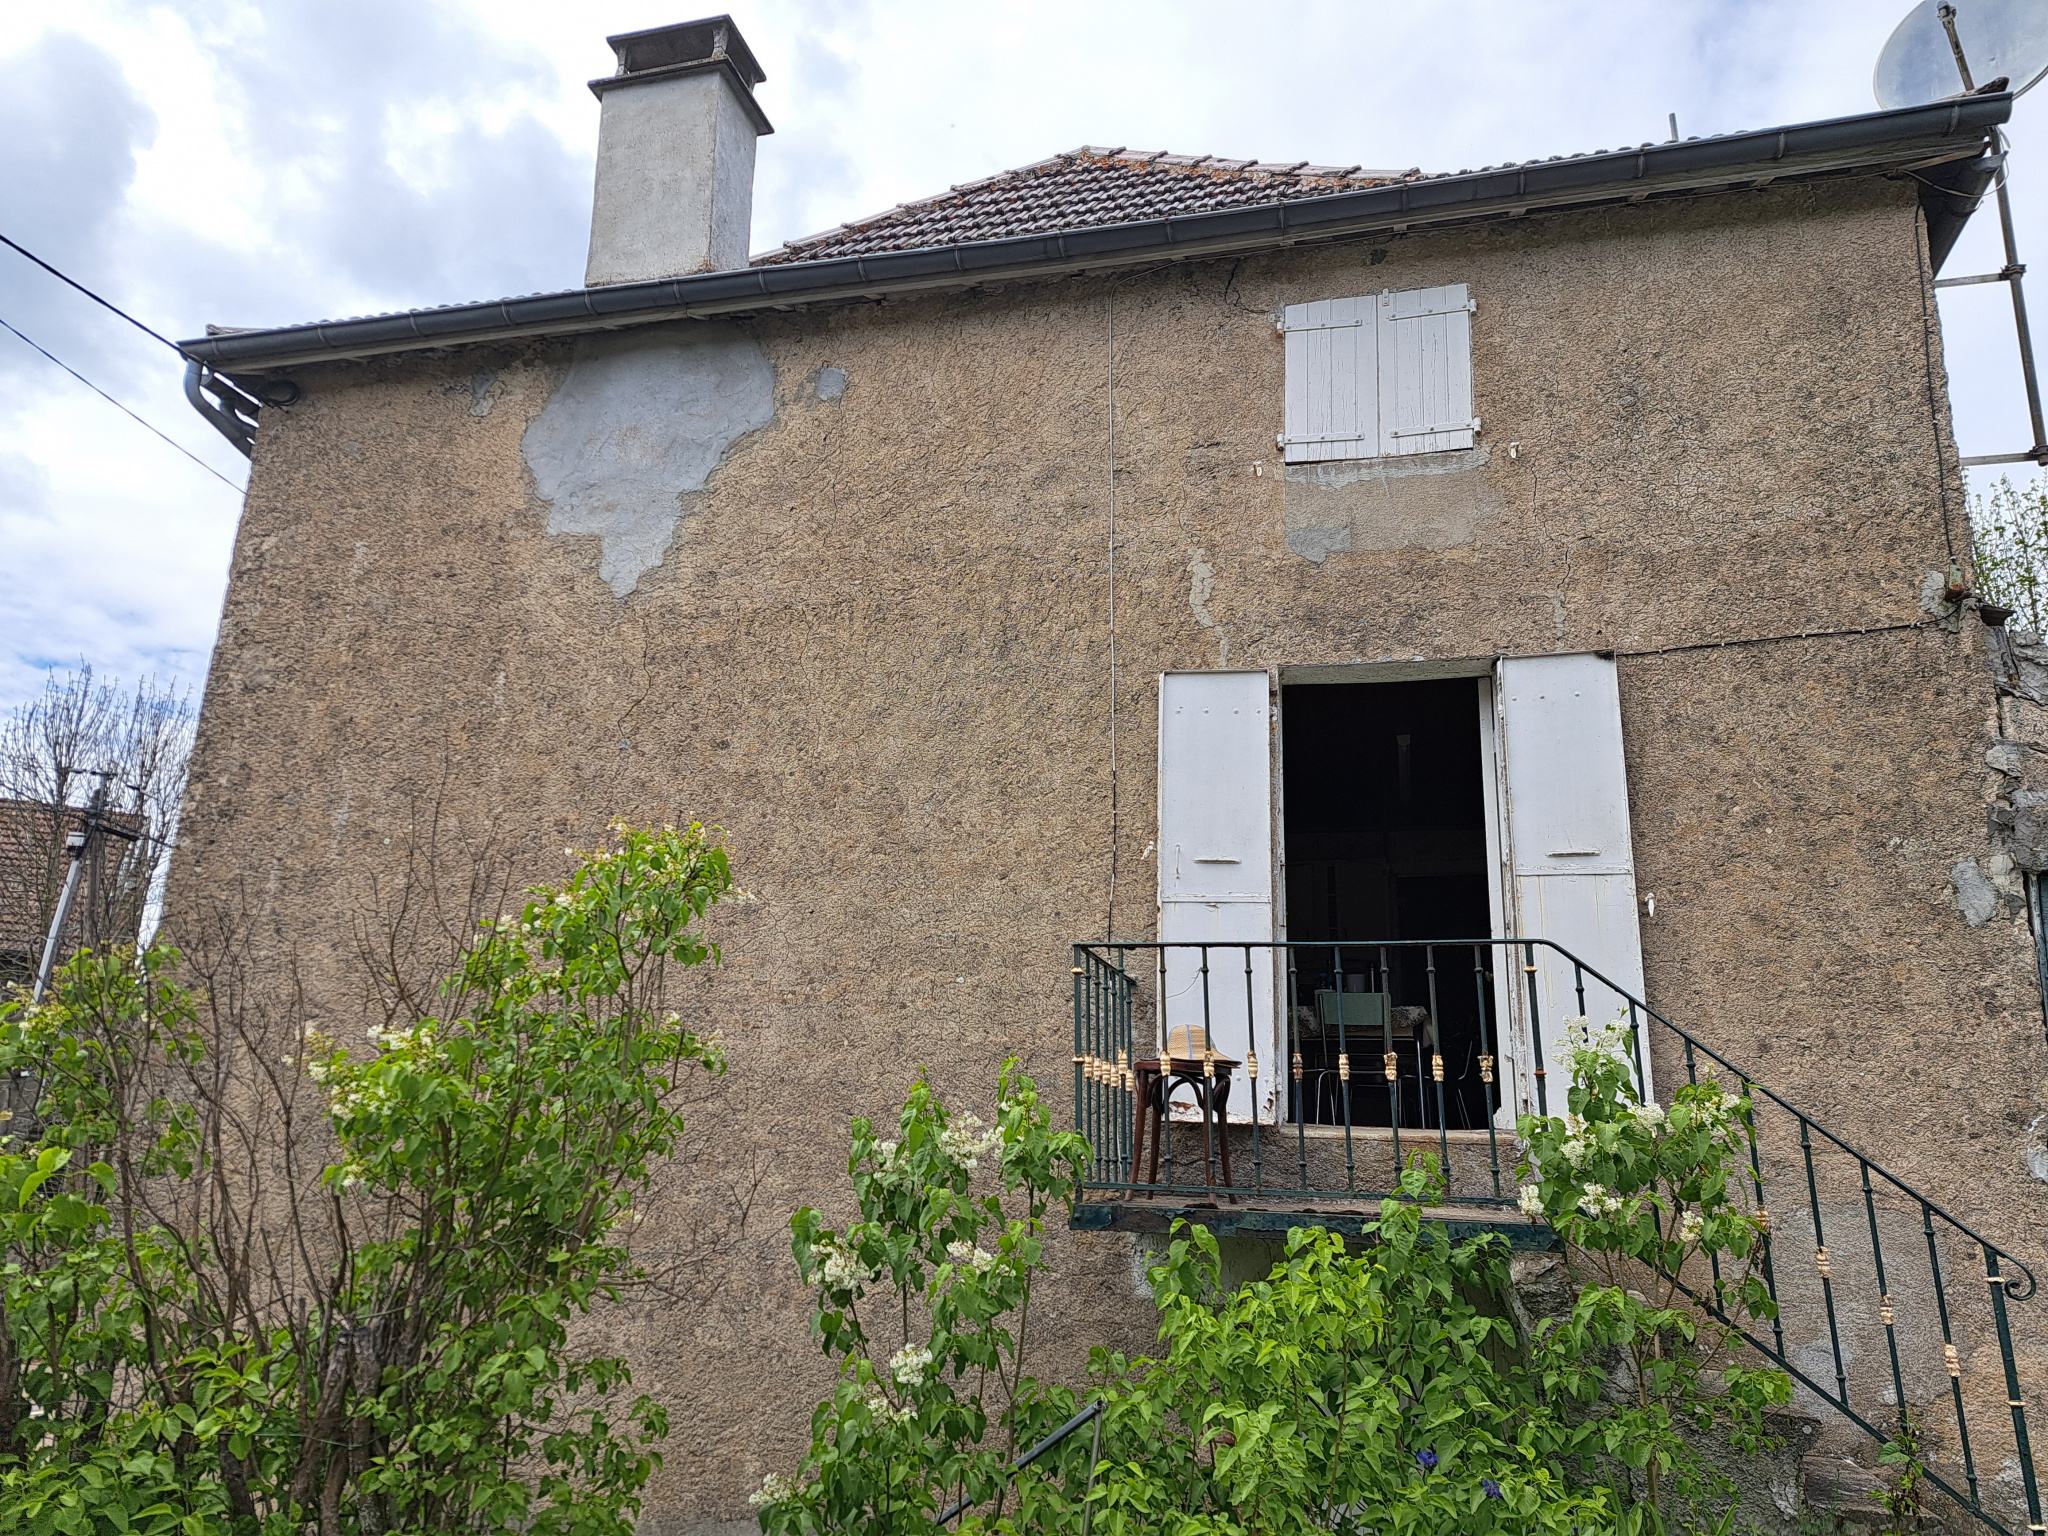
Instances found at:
x=88 y=383
x=104 y=303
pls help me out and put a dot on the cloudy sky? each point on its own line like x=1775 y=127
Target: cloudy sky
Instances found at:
x=262 y=164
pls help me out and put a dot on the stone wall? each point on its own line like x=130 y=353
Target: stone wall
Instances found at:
x=839 y=582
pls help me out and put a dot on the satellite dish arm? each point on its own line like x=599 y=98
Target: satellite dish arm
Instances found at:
x=1947 y=13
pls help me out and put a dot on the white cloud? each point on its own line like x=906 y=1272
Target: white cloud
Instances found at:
x=250 y=164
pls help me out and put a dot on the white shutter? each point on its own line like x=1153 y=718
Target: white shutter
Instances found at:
x=1216 y=867
x=1332 y=380
x=1568 y=840
x=1425 y=359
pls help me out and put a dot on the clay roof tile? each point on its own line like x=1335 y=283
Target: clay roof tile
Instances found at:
x=1082 y=188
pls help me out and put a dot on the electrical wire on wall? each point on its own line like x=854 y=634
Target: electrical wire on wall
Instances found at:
x=1948 y=536
x=1109 y=915
x=1115 y=802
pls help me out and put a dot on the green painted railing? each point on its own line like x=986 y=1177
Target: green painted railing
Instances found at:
x=1886 y=1301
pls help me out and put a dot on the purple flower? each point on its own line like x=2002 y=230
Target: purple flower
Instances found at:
x=1426 y=1460
x=1490 y=1487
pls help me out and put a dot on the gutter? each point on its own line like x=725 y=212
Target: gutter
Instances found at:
x=1916 y=139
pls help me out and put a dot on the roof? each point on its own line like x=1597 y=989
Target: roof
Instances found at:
x=1946 y=146
x=1082 y=189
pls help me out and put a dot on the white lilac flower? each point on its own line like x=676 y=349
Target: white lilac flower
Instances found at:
x=968 y=1256
x=1597 y=1201
x=1649 y=1116
x=878 y=1404
x=1713 y=1108
x=1691 y=1227
x=1573 y=1151
x=1530 y=1199
x=909 y=1364
x=774 y=1489
x=842 y=1268
x=1573 y=1124
x=961 y=1141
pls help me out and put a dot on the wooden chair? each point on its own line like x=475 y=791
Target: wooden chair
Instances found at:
x=1189 y=1060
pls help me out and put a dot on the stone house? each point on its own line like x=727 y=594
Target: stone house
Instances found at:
x=1198 y=553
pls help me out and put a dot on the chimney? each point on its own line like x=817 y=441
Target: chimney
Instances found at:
x=675 y=153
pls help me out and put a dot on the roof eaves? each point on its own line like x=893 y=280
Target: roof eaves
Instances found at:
x=1868 y=141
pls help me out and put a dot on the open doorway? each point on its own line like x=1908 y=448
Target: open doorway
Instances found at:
x=1385 y=800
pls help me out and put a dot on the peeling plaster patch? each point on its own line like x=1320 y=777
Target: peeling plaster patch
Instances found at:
x=2037 y=1148
x=1146 y=1250
x=1202 y=587
x=2018 y=823
x=1426 y=501
x=482 y=393
x=636 y=427
x=1975 y=893
x=1934 y=602
x=830 y=383
x=1318 y=544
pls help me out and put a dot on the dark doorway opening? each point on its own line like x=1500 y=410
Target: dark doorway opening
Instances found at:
x=1385 y=809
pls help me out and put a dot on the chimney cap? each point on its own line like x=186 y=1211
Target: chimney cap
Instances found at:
x=708 y=41
x=689 y=48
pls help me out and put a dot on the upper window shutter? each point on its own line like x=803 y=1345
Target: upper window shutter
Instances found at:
x=1425 y=361
x=1216 y=869
x=1333 y=373
x=1569 y=847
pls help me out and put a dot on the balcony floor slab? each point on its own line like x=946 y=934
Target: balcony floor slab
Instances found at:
x=1252 y=1217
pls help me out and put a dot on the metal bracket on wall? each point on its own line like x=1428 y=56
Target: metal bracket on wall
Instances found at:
x=228 y=408
x=2010 y=274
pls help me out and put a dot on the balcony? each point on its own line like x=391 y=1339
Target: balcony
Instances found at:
x=1356 y=1057
x=1324 y=1067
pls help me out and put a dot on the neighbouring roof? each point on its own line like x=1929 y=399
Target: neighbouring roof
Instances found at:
x=33 y=860
x=1094 y=211
x=1081 y=189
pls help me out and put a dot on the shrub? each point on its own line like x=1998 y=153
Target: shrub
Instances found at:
x=384 y=1349
x=924 y=1302
x=1659 y=1205
x=1382 y=1390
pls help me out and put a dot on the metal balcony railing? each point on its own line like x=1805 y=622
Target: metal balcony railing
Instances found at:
x=1356 y=1055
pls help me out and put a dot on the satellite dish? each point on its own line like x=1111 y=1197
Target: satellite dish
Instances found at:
x=1999 y=37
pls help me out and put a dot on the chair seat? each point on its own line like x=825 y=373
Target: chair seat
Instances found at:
x=1155 y=1079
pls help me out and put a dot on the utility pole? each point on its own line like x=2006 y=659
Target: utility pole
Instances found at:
x=85 y=848
x=75 y=842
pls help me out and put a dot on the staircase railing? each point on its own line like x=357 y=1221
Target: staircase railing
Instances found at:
x=1890 y=1309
